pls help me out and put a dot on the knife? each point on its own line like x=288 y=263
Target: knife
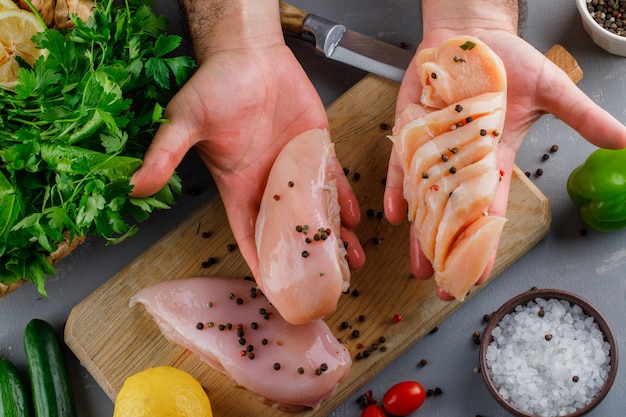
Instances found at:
x=336 y=42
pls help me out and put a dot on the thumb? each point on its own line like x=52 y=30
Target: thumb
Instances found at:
x=165 y=153
x=575 y=108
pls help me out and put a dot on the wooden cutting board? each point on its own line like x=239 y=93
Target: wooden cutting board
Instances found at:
x=113 y=341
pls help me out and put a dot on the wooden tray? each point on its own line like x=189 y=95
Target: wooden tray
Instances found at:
x=113 y=341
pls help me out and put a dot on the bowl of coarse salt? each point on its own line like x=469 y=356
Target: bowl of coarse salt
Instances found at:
x=605 y=23
x=548 y=352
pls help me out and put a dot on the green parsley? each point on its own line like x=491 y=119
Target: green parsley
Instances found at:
x=75 y=129
x=468 y=46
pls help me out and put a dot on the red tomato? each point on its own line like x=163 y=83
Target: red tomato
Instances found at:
x=404 y=398
x=373 y=410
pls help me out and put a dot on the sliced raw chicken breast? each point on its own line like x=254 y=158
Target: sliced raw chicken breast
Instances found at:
x=447 y=148
x=229 y=324
x=302 y=261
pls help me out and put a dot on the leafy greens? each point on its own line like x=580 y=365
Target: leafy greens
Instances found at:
x=74 y=131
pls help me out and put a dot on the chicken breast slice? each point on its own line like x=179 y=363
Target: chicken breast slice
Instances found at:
x=229 y=324
x=302 y=261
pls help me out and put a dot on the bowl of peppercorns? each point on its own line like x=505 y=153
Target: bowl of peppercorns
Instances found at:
x=547 y=353
x=605 y=22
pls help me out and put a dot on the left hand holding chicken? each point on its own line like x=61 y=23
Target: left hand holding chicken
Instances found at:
x=249 y=98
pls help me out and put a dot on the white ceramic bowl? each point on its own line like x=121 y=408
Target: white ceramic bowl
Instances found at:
x=610 y=42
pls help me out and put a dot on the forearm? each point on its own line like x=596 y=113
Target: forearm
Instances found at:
x=472 y=16
x=216 y=25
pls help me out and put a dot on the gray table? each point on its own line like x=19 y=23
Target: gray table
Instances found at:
x=591 y=265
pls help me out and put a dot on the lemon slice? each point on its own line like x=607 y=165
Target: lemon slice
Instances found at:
x=17 y=27
x=163 y=391
x=8 y=4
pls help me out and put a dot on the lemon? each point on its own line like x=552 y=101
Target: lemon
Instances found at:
x=163 y=391
x=17 y=27
x=8 y=4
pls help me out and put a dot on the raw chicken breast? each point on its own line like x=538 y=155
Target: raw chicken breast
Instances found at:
x=302 y=261
x=231 y=326
x=447 y=148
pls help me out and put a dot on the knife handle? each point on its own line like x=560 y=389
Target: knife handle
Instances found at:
x=292 y=19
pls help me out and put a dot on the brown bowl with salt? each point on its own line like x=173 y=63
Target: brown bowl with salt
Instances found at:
x=548 y=352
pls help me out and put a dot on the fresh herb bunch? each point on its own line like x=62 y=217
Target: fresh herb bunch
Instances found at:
x=74 y=131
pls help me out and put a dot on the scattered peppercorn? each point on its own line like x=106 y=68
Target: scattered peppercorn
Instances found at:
x=527 y=174
x=458 y=108
x=476 y=337
x=362 y=317
x=200 y=326
x=548 y=337
x=483 y=132
x=371 y=212
x=356 y=176
x=384 y=126
x=231 y=247
x=486 y=318
x=206 y=235
x=554 y=148
x=539 y=172
x=422 y=363
x=356 y=333
x=444 y=158
x=452 y=170
x=277 y=366
x=380 y=215
x=545 y=157
x=575 y=378
x=541 y=313
x=290 y=184
x=355 y=293
x=344 y=325
x=305 y=254
x=377 y=240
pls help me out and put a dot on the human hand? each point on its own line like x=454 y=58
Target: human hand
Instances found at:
x=239 y=110
x=536 y=86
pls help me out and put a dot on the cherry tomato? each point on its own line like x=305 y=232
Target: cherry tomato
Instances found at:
x=404 y=398
x=373 y=410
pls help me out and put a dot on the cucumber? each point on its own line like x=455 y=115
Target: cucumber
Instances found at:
x=49 y=380
x=14 y=401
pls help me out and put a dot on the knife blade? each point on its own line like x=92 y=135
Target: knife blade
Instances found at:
x=337 y=42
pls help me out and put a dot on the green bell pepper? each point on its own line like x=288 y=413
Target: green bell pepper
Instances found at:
x=598 y=186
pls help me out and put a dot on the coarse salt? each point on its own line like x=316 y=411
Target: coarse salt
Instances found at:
x=548 y=358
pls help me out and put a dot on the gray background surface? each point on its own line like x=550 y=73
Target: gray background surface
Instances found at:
x=592 y=266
